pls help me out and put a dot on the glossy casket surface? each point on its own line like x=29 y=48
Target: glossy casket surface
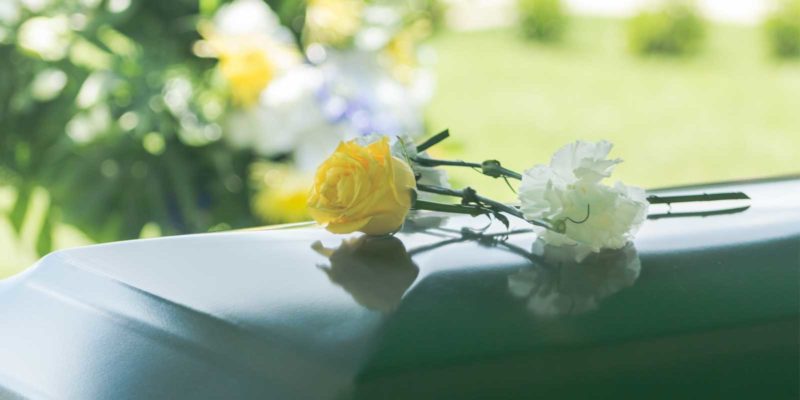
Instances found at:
x=701 y=306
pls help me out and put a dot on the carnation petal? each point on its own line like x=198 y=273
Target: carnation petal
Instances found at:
x=583 y=160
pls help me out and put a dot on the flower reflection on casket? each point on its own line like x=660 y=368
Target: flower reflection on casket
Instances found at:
x=376 y=271
x=560 y=285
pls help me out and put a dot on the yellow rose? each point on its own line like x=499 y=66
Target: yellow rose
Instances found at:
x=362 y=188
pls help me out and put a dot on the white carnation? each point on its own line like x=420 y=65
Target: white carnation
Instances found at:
x=569 y=193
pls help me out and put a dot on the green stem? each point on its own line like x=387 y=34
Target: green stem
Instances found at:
x=490 y=168
x=699 y=213
x=494 y=205
x=433 y=140
x=654 y=199
x=450 y=208
x=430 y=162
x=495 y=170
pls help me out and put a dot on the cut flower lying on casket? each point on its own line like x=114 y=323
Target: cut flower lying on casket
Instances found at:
x=362 y=188
x=368 y=185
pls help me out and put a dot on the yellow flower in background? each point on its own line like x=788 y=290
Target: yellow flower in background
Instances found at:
x=283 y=194
x=332 y=21
x=252 y=46
x=402 y=49
x=247 y=69
x=362 y=188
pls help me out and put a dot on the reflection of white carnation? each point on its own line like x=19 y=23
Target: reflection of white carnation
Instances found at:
x=559 y=285
x=569 y=192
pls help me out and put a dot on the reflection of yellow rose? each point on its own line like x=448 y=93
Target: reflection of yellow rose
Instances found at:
x=376 y=271
x=362 y=188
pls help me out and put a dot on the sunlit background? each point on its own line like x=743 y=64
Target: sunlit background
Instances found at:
x=122 y=119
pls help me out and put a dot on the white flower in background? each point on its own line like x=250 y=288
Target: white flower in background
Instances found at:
x=288 y=118
x=36 y=6
x=252 y=48
x=381 y=23
x=569 y=193
x=9 y=12
x=559 y=285
x=332 y=22
x=283 y=106
x=47 y=37
x=247 y=17
x=363 y=93
x=274 y=93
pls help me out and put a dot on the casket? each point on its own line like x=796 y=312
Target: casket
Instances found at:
x=704 y=304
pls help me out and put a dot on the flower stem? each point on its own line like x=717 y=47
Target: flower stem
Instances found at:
x=490 y=168
x=469 y=195
x=450 y=208
x=653 y=199
x=431 y=162
x=433 y=140
x=699 y=213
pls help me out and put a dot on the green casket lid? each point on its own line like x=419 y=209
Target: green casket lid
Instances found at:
x=705 y=305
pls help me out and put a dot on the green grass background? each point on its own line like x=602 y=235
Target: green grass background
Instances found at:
x=728 y=113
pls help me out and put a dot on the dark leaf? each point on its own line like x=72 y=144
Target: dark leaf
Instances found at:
x=44 y=243
x=503 y=219
x=17 y=215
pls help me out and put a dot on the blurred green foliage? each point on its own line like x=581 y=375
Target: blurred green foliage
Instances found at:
x=436 y=11
x=542 y=20
x=675 y=29
x=783 y=30
x=118 y=124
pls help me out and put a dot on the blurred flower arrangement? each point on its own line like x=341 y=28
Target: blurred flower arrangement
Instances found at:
x=189 y=116
x=353 y=70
